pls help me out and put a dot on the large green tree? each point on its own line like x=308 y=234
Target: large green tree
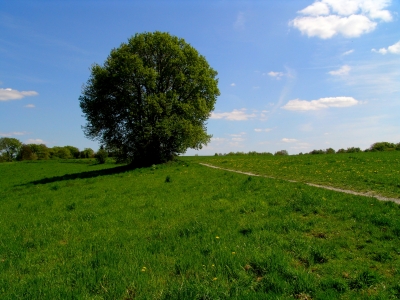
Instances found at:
x=9 y=147
x=150 y=100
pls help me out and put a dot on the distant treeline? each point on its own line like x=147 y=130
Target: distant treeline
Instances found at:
x=376 y=147
x=12 y=149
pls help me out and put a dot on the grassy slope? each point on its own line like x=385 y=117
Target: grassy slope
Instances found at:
x=377 y=172
x=206 y=234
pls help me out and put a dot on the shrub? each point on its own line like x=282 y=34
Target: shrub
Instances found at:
x=330 y=151
x=87 y=153
x=382 y=146
x=281 y=152
x=317 y=152
x=101 y=156
x=353 y=150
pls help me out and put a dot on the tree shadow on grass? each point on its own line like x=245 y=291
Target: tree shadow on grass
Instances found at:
x=82 y=175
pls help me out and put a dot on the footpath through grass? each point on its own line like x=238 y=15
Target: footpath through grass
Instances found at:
x=374 y=172
x=184 y=231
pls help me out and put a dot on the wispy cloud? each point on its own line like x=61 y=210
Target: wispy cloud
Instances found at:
x=29 y=106
x=235 y=115
x=240 y=21
x=286 y=140
x=344 y=70
x=349 y=18
x=9 y=134
x=374 y=78
x=233 y=84
x=262 y=129
x=10 y=94
x=394 y=49
x=348 y=52
x=35 y=141
x=322 y=103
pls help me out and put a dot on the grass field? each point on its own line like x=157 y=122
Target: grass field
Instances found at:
x=76 y=230
x=374 y=172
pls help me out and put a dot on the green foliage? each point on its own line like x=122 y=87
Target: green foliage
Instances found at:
x=251 y=153
x=383 y=146
x=318 y=152
x=101 y=156
x=150 y=100
x=75 y=153
x=82 y=231
x=87 y=153
x=26 y=153
x=353 y=150
x=281 y=153
x=60 y=152
x=330 y=151
x=9 y=148
x=41 y=151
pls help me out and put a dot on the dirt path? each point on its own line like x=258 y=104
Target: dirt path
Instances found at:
x=379 y=197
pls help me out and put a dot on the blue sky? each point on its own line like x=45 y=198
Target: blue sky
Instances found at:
x=293 y=74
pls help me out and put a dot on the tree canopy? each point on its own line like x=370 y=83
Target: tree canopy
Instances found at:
x=9 y=147
x=150 y=100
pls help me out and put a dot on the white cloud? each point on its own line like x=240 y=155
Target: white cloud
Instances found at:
x=238 y=139
x=240 y=21
x=348 y=52
x=35 y=141
x=316 y=9
x=12 y=133
x=233 y=84
x=304 y=105
x=30 y=106
x=238 y=134
x=10 y=94
x=394 y=49
x=262 y=130
x=286 y=140
x=218 y=140
x=277 y=75
x=235 y=115
x=349 y=18
x=342 y=71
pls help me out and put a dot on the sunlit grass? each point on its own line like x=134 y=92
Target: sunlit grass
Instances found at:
x=184 y=231
x=376 y=172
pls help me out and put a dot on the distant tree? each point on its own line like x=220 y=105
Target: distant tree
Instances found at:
x=150 y=100
x=281 y=152
x=41 y=150
x=330 y=151
x=382 y=146
x=101 y=156
x=26 y=153
x=353 y=150
x=9 y=147
x=75 y=153
x=87 y=153
x=317 y=152
x=341 y=150
x=60 y=152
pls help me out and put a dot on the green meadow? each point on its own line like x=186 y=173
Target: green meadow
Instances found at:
x=373 y=172
x=73 y=229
